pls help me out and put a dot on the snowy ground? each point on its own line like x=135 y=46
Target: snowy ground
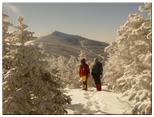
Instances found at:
x=93 y=102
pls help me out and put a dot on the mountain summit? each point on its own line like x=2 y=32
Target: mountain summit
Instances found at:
x=62 y=44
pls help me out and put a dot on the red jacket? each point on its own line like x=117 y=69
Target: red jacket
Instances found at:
x=84 y=70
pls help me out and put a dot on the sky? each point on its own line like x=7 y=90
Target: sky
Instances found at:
x=97 y=21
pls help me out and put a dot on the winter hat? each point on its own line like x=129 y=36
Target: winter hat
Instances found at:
x=83 y=60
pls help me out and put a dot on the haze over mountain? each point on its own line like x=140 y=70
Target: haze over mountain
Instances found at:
x=61 y=44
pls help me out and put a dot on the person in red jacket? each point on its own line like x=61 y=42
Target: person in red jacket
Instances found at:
x=84 y=73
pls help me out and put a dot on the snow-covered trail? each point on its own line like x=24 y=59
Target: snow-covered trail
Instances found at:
x=93 y=102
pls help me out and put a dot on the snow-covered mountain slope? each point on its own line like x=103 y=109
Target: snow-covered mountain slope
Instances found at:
x=61 y=44
x=94 y=102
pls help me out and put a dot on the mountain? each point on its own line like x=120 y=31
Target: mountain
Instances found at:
x=61 y=44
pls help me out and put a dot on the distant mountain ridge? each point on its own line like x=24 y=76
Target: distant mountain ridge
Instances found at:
x=62 y=44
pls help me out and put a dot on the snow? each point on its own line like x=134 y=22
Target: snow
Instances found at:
x=94 y=102
x=30 y=86
x=128 y=66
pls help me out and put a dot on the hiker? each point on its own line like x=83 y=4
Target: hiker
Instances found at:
x=97 y=73
x=84 y=73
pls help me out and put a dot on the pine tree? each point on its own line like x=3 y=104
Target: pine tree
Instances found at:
x=82 y=54
x=128 y=68
x=28 y=87
x=6 y=43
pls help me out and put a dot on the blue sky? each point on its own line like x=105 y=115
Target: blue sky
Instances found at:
x=98 y=21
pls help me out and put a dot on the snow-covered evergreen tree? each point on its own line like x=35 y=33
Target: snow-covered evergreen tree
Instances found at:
x=6 y=24
x=67 y=70
x=28 y=86
x=128 y=68
x=82 y=54
x=6 y=43
x=73 y=72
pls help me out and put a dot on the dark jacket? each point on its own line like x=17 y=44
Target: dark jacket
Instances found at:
x=97 y=70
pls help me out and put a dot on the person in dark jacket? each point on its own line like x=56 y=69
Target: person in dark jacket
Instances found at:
x=84 y=73
x=96 y=73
